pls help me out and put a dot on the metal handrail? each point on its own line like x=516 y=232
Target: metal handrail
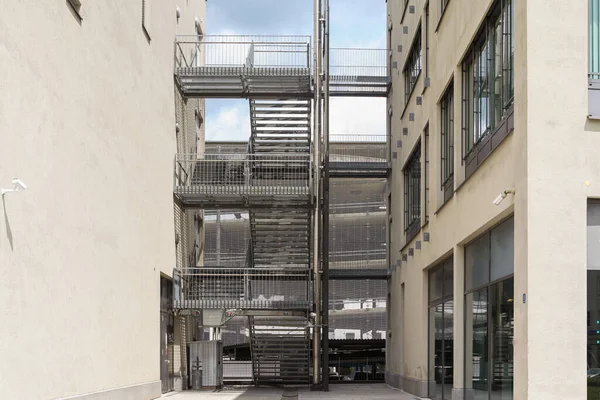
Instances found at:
x=245 y=51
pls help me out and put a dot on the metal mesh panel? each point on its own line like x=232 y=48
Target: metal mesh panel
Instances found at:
x=358 y=72
x=357 y=226
x=226 y=238
x=357 y=309
x=247 y=288
x=242 y=179
x=235 y=331
x=363 y=155
x=226 y=147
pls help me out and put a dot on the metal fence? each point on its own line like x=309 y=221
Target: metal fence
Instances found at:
x=246 y=288
x=227 y=178
x=242 y=51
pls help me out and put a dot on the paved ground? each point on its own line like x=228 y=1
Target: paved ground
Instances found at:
x=356 y=392
x=341 y=391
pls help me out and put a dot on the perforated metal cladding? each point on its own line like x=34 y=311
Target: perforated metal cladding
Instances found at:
x=357 y=307
x=357 y=226
x=235 y=331
x=232 y=248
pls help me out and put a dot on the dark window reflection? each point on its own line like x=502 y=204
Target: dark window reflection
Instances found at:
x=477 y=304
x=441 y=331
x=502 y=339
x=593 y=335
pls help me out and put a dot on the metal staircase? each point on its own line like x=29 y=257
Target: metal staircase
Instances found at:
x=276 y=181
x=281 y=238
x=280 y=350
x=280 y=126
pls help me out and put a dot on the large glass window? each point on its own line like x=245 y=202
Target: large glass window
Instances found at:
x=412 y=69
x=412 y=192
x=488 y=75
x=593 y=299
x=441 y=332
x=489 y=314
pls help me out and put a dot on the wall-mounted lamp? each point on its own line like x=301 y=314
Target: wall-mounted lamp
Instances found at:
x=502 y=196
x=18 y=186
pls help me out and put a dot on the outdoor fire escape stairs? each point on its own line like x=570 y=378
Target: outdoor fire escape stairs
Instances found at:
x=280 y=350
x=280 y=237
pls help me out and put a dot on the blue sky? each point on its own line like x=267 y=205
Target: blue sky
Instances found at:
x=354 y=23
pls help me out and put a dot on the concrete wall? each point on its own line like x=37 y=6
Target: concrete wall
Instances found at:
x=87 y=120
x=552 y=161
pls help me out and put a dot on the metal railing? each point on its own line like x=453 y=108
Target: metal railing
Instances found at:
x=222 y=175
x=245 y=288
x=354 y=63
x=242 y=51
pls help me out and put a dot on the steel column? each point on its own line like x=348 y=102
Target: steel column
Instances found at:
x=316 y=180
x=325 y=241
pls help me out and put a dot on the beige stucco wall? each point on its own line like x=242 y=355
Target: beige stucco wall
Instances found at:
x=551 y=159
x=459 y=220
x=87 y=120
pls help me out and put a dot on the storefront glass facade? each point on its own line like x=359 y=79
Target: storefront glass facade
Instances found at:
x=489 y=314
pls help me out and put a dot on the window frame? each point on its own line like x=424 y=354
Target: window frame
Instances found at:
x=446 y=266
x=426 y=174
x=412 y=193
x=413 y=66
x=593 y=39
x=487 y=96
x=447 y=142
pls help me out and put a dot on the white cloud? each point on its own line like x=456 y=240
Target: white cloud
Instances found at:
x=229 y=122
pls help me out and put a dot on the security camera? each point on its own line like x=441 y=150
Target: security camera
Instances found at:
x=312 y=315
x=19 y=184
x=502 y=196
x=499 y=199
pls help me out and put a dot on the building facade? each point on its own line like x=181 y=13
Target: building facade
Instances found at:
x=88 y=123
x=494 y=148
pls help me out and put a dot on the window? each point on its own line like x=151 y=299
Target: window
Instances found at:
x=488 y=76
x=441 y=332
x=412 y=193
x=427 y=40
x=594 y=39
x=426 y=172
x=489 y=325
x=412 y=68
x=447 y=142
x=593 y=296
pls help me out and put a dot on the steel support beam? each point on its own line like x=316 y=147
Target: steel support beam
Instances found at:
x=317 y=192
x=325 y=246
